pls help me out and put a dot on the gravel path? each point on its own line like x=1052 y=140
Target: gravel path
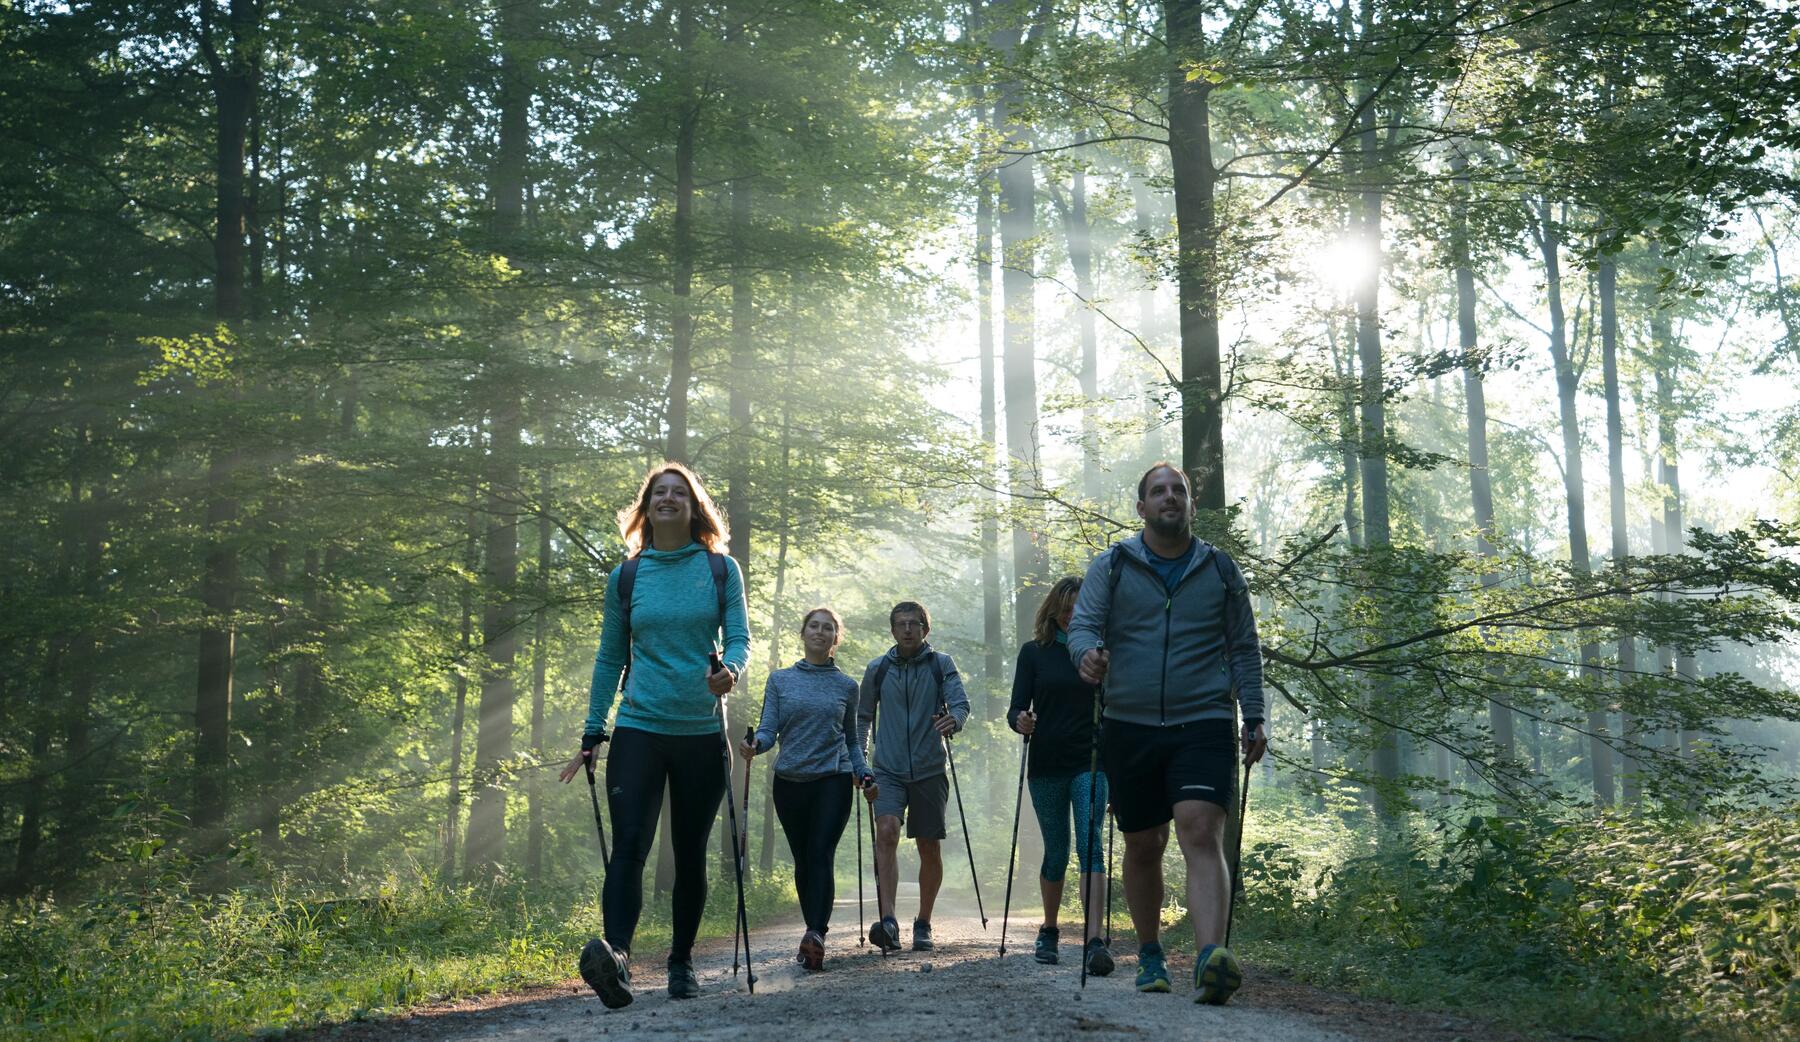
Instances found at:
x=961 y=991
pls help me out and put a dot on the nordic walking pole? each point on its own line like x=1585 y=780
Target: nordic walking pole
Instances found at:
x=1238 y=856
x=1012 y=852
x=743 y=848
x=750 y=740
x=874 y=857
x=862 y=931
x=973 y=879
x=737 y=860
x=594 y=796
x=1087 y=833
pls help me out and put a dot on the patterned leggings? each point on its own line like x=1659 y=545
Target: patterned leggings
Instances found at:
x=1055 y=799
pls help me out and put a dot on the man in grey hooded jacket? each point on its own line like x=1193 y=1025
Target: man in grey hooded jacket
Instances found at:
x=913 y=699
x=1164 y=621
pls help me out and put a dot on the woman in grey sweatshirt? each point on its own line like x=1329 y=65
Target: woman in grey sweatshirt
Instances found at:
x=810 y=708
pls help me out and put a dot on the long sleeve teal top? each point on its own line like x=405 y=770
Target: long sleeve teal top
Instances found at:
x=674 y=624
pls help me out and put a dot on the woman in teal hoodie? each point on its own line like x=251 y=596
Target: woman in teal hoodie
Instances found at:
x=685 y=594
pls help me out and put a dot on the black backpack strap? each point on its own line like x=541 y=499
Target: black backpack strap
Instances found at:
x=717 y=563
x=627 y=579
x=881 y=672
x=1115 y=567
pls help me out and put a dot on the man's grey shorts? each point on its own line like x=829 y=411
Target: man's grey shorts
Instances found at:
x=919 y=803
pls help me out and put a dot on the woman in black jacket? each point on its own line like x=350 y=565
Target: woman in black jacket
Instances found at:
x=1056 y=712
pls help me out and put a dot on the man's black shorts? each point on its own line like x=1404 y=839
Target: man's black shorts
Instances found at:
x=1150 y=769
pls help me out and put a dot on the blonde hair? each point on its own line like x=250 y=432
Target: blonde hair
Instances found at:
x=1063 y=593
x=707 y=527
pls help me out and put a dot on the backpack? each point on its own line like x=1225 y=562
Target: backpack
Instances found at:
x=628 y=578
x=937 y=672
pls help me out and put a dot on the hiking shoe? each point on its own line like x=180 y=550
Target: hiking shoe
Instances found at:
x=1046 y=945
x=1216 y=975
x=921 y=936
x=885 y=935
x=1153 y=972
x=1099 y=959
x=812 y=951
x=607 y=972
x=682 y=982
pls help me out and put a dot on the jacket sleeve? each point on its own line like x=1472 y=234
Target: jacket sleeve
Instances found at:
x=955 y=698
x=770 y=724
x=1024 y=680
x=1087 y=627
x=737 y=620
x=609 y=660
x=1246 y=648
x=852 y=702
x=865 y=710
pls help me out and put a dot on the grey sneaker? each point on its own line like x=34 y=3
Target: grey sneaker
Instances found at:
x=921 y=936
x=1046 y=945
x=607 y=972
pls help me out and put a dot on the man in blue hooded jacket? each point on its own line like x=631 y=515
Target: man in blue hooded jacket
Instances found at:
x=1164 y=621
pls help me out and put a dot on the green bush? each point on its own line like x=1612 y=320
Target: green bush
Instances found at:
x=1624 y=927
x=178 y=965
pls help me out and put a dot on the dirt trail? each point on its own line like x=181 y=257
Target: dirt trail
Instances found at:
x=966 y=994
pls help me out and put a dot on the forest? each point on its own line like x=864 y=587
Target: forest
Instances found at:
x=335 y=337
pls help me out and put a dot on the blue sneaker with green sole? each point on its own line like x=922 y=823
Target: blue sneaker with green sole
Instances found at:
x=1153 y=971
x=1216 y=975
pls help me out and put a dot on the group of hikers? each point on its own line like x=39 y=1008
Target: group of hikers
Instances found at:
x=1127 y=696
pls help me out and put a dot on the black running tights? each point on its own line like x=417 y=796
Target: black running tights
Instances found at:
x=813 y=814
x=638 y=764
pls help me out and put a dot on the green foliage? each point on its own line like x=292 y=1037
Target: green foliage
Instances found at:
x=1620 y=927
x=171 y=963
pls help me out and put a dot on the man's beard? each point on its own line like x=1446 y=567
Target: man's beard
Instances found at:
x=1166 y=528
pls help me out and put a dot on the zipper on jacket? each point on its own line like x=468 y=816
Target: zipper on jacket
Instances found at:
x=1162 y=694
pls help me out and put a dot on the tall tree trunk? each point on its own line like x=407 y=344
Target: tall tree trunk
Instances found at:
x=681 y=333
x=1018 y=231
x=231 y=73
x=1671 y=660
x=81 y=777
x=1343 y=363
x=37 y=780
x=1481 y=477
x=1197 y=265
x=540 y=667
x=499 y=616
x=1080 y=237
x=465 y=599
x=778 y=606
x=1149 y=327
x=1567 y=386
x=1373 y=453
x=994 y=665
x=1608 y=279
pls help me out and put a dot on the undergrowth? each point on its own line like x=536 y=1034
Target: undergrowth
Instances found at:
x=181 y=965
x=1613 y=927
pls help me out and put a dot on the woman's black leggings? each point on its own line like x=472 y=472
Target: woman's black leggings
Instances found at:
x=813 y=814
x=637 y=766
